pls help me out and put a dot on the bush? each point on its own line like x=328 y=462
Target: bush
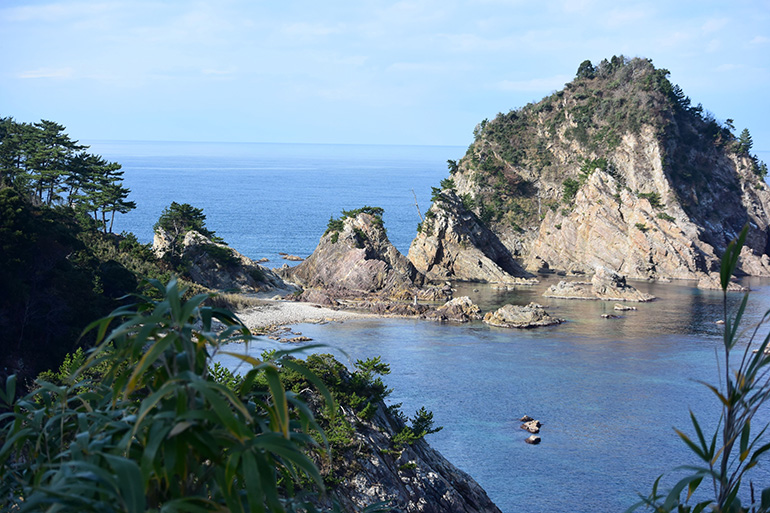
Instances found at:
x=156 y=430
x=570 y=187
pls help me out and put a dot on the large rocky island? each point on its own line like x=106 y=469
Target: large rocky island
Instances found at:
x=617 y=170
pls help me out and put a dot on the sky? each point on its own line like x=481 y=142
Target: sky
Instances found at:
x=357 y=72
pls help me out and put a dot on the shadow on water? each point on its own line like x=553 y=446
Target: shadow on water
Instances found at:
x=608 y=391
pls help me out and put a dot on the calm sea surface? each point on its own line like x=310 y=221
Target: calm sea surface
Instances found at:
x=608 y=391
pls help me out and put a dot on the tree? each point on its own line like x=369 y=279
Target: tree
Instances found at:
x=745 y=142
x=586 y=70
x=178 y=219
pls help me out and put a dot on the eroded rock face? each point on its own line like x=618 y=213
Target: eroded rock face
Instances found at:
x=220 y=267
x=512 y=316
x=454 y=244
x=605 y=285
x=359 y=259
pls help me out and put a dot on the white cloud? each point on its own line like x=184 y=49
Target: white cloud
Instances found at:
x=55 y=73
x=760 y=40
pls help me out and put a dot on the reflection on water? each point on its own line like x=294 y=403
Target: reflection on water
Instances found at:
x=608 y=391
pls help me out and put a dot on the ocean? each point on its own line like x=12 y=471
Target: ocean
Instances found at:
x=608 y=391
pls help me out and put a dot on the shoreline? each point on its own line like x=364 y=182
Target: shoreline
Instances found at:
x=281 y=313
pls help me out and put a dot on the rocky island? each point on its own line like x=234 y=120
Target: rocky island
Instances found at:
x=618 y=170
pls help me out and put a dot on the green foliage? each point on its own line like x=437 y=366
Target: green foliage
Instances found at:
x=653 y=198
x=761 y=170
x=642 y=227
x=335 y=226
x=178 y=219
x=745 y=142
x=222 y=255
x=586 y=70
x=46 y=167
x=726 y=457
x=452 y=165
x=570 y=187
x=160 y=432
x=256 y=274
x=666 y=217
x=447 y=183
x=468 y=202
x=422 y=425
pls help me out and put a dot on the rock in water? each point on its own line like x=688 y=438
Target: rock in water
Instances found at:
x=533 y=440
x=355 y=255
x=625 y=176
x=453 y=243
x=459 y=309
x=511 y=316
x=606 y=285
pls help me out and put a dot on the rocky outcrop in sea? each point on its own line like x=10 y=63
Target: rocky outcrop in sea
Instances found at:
x=617 y=170
x=605 y=285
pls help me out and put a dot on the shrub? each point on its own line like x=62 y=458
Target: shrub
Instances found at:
x=653 y=198
x=156 y=429
x=665 y=217
x=570 y=187
x=642 y=227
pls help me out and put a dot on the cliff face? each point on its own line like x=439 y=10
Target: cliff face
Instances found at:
x=355 y=256
x=617 y=170
x=453 y=243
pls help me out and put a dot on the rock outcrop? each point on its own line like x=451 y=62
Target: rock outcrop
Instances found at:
x=617 y=170
x=459 y=309
x=453 y=243
x=220 y=267
x=375 y=464
x=355 y=257
x=606 y=285
x=512 y=316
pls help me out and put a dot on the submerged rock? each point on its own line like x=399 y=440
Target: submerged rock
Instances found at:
x=713 y=281
x=512 y=316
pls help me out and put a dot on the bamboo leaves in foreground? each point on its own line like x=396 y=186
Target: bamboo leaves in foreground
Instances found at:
x=154 y=432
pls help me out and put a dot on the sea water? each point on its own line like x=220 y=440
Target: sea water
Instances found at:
x=608 y=391
x=266 y=199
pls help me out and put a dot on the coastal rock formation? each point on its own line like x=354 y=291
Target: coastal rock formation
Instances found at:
x=533 y=440
x=512 y=316
x=713 y=281
x=606 y=285
x=454 y=243
x=532 y=426
x=374 y=466
x=354 y=256
x=459 y=309
x=220 y=267
x=617 y=170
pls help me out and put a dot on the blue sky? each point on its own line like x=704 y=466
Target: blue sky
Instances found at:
x=410 y=72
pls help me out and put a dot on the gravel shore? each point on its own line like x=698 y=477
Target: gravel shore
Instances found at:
x=275 y=313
